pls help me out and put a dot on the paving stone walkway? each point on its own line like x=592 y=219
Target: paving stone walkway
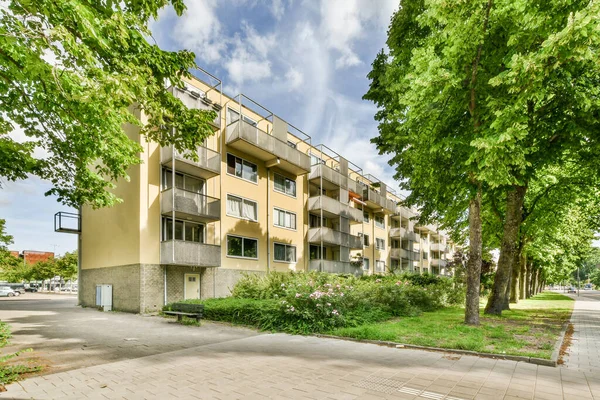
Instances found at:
x=584 y=352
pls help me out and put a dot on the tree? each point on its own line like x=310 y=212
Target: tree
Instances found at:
x=72 y=74
x=66 y=266
x=9 y=264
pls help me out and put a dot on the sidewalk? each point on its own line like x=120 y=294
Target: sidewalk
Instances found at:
x=584 y=352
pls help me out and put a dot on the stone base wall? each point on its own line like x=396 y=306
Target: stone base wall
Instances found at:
x=125 y=281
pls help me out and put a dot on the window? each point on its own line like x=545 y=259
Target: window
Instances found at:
x=284 y=219
x=313 y=221
x=425 y=255
x=242 y=208
x=242 y=168
x=285 y=185
x=184 y=230
x=395 y=263
x=366 y=266
x=366 y=241
x=379 y=266
x=380 y=221
x=315 y=252
x=366 y=216
x=395 y=244
x=380 y=243
x=238 y=246
x=284 y=252
x=182 y=181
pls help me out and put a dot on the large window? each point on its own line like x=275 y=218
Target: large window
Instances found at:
x=315 y=252
x=379 y=266
x=238 y=246
x=380 y=244
x=425 y=255
x=284 y=219
x=365 y=265
x=284 y=252
x=379 y=221
x=366 y=241
x=314 y=221
x=182 y=181
x=184 y=230
x=285 y=185
x=241 y=168
x=242 y=208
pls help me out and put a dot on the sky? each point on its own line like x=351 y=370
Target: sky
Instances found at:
x=304 y=60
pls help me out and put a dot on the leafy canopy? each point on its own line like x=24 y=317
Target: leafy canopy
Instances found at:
x=72 y=74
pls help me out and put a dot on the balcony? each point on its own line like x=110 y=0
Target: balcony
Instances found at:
x=397 y=232
x=333 y=208
x=331 y=179
x=334 y=267
x=413 y=236
x=178 y=252
x=437 y=262
x=248 y=138
x=441 y=247
x=207 y=166
x=190 y=205
x=195 y=98
x=405 y=254
x=376 y=200
x=333 y=238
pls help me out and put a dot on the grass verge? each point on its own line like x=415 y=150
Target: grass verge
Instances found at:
x=531 y=328
x=9 y=370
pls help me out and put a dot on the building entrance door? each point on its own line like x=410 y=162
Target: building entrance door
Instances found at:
x=192 y=286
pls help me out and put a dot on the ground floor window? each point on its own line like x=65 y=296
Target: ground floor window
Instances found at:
x=284 y=252
x=238 y=246
x=366 y=266
x=315 y=252
x=379 y=266
x=184 y=230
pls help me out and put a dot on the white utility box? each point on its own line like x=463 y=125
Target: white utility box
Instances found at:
x=104 y=297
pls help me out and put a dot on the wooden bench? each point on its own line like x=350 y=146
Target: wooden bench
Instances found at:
x=186 y=310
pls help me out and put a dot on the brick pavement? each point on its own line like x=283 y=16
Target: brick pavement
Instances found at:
x=584 y=352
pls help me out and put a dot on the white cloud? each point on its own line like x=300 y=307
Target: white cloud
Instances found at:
x=293 y=79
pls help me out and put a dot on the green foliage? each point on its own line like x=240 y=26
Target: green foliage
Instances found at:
x=11 y=373
x=64 y=266
x=318 y=302
x=73 y=73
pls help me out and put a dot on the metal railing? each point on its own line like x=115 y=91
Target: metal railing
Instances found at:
x=207 y=158
x=328 y=174
x=67 y=222
x=179 y=252
x=332 y=237
x=195 y=98
x=335 y=207
x=188 y=202
x=397 y=232
x=372 y=196
x=242 y=130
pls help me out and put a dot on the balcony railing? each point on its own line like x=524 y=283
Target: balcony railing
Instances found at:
x=335 y=238
x=333 y=208
x=179 y=252
x=190 y=205
x=249 y=138
x=207 y=166
x=413 y=236
x=397 y=232
x=405 y=254
x=335 y=267
x=195 y=98
x=376 y=200
x=438 y=247
x=328 y=174
x=436 y=262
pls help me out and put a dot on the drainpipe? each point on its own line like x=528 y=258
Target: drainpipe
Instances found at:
x=269 y=220
x=79 y=280
x=165 y=283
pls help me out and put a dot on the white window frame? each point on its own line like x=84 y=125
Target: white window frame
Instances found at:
x=242 y=256
x=368 y=264
x=243 y=160
x=285 y=179
x=377 y=241
x=286 y=246
x=244 y=199
x=275 y=223
x=377 y=264
x=164 y=230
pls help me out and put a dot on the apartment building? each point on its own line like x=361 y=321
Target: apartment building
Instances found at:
x=259 y=197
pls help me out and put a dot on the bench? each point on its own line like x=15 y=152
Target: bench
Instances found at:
x=186 y=310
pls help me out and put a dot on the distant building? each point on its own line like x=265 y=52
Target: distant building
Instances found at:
x=14 y=253
x=33 y=256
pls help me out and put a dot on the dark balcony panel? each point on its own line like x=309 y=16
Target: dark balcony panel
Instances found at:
x=190 y=205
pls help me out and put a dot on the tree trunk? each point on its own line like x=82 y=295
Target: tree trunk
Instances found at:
x=510 y=236
x=514 y=281
x=528 y=280
x=534 y=275
x=474 y=262
x=523 y=269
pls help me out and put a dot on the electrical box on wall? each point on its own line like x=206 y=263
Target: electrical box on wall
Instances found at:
x=104 y=297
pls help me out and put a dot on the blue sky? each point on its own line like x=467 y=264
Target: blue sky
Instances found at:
x=305 y=60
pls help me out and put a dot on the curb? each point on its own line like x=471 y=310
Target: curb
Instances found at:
x=532 y=360
x=559 y=342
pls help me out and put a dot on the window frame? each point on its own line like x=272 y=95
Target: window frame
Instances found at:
x=164 y=230
x=368 y=219
x=285 y=179
x=377 y=225
x=243 y=238
x=377 y=241
x=366 y=239
x=368 y=264
x=243 y=200
x=377 y=263
x=286 y=212
x=243 y=160
x=286 y=245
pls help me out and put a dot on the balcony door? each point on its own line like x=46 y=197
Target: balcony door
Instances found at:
x=192 y=286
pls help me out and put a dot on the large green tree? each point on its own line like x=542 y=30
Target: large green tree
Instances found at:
x=71 y=73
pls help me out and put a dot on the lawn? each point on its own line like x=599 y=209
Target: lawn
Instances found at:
x=531 y=328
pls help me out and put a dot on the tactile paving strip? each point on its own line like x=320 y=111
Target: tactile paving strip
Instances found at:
x=390 y=386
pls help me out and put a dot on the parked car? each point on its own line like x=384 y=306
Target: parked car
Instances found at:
x=6 y=291
x=572 y=290
x=588 y=286
x=32 y=287
x=17 y=287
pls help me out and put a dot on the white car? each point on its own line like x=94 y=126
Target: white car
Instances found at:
x=6 y=291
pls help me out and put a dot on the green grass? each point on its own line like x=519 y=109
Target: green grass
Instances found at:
x=10 y=372
x=531 y=328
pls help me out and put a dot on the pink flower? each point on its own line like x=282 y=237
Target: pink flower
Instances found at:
x=377 y=280
x=398 y=283
x=341 y=294
x=298 y=295
x=335 y=312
